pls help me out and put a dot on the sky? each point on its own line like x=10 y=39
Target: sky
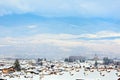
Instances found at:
x=59 y=28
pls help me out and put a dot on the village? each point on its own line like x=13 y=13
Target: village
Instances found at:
x=72 y=68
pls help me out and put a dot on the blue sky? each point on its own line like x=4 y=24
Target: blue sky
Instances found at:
x=59 y=27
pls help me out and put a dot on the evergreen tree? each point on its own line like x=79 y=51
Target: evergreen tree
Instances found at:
x=39 y=60
x=96 y=63
x=66 y=60
x=17 y=65
x=107 y=61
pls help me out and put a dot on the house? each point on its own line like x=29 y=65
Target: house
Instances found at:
x=8 y=70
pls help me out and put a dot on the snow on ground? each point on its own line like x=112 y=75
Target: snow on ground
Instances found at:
x=67 y=75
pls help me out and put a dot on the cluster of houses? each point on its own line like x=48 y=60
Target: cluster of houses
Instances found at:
x=42 y=68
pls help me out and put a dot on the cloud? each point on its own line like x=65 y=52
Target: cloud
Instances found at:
x=32 y=26
x=65 y=33
x=11 y=7
x=52 y=8
x=102 y=34
x=63 y=44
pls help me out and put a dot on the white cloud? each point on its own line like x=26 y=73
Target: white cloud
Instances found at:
x=61 y=43
x=4 y=45
x=32 y=26
x=102 y=34
x=50 y=8
x=12 y=6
